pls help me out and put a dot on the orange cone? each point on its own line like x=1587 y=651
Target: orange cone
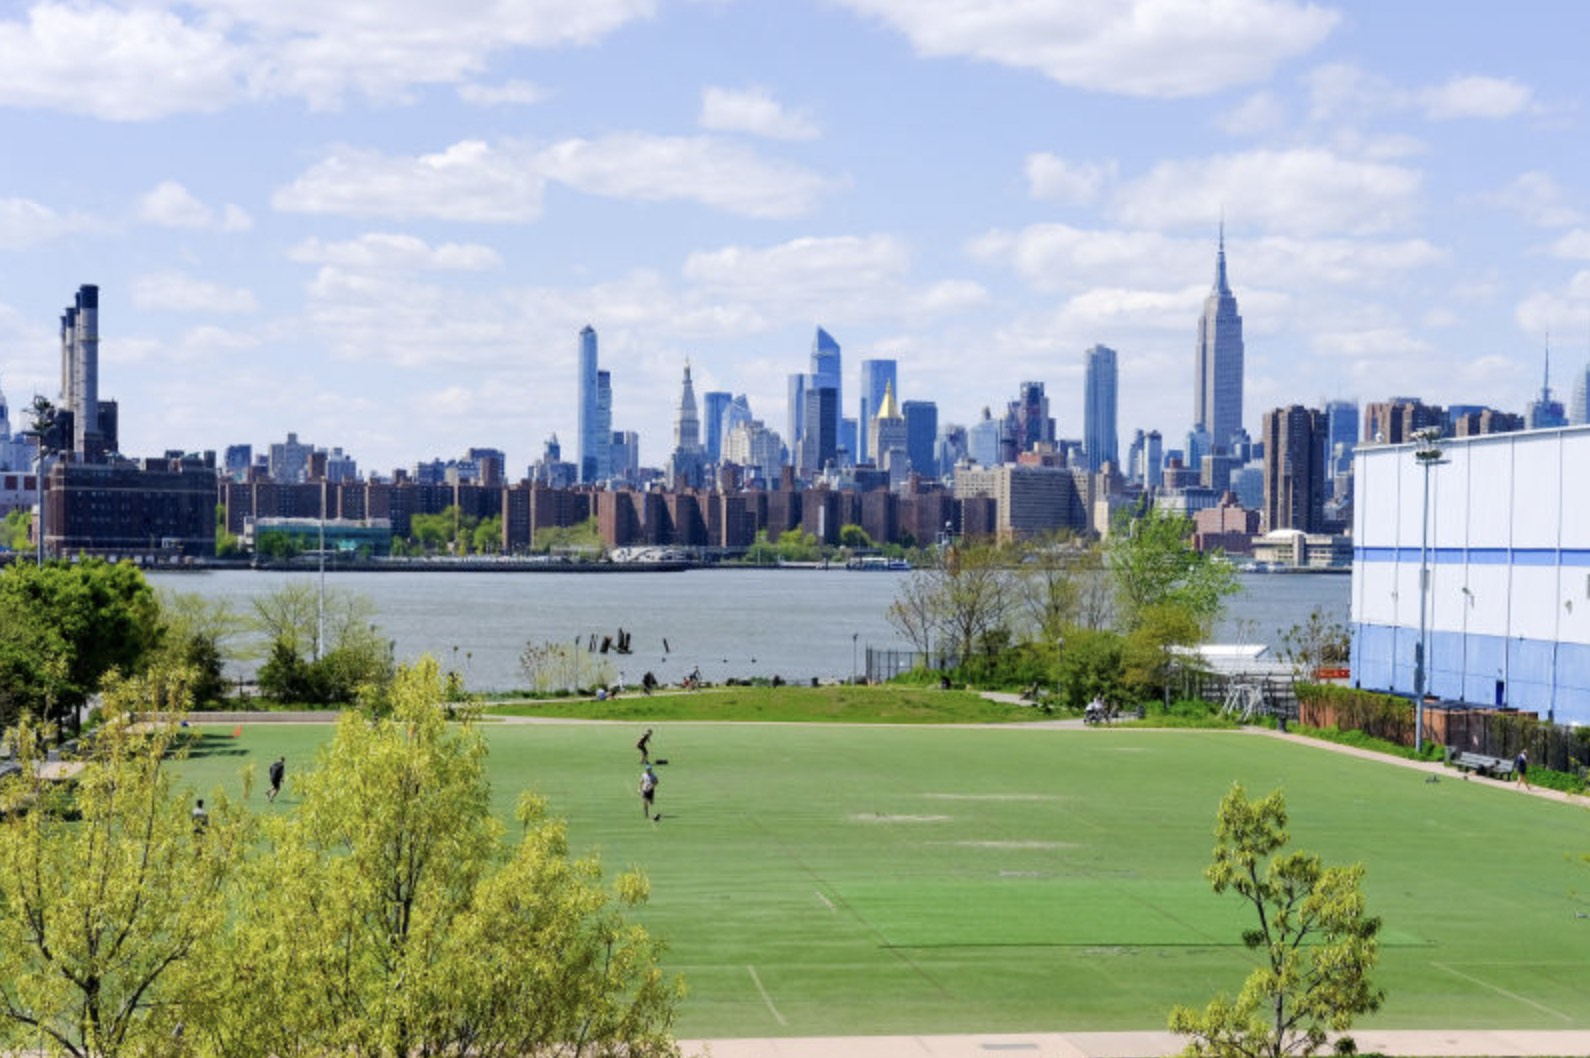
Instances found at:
x=237 y=732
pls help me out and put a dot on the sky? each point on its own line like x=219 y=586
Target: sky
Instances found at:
x=380 y=226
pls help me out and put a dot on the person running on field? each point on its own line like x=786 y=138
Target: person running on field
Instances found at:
x=278 y=770
x=648 y=794
x=644 y=745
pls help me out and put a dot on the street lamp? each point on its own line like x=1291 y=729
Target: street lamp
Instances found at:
x=1427 y=451
x=853 y=637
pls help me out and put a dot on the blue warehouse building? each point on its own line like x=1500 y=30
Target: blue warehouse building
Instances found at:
x=1507 y=601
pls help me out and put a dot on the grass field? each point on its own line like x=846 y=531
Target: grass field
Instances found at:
x=815 y=879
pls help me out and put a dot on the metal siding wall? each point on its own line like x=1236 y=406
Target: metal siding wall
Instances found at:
x=1510 y=563
x=1490 y=495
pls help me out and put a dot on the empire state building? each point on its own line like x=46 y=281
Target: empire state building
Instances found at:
x=1217 y=400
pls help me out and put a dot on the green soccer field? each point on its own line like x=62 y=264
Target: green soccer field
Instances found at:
x=814 y=880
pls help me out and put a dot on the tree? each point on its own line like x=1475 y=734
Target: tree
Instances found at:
x=1318 y=643
x=1153 y=564
x=974 y=595
x=1317 y=945
x=16 y=530
x=353 y=654
x=487 y=537
x=109 y=891
x=90 y=617
x=551 y=666
x=198 y=633
x=389 y=920
x=854 y=537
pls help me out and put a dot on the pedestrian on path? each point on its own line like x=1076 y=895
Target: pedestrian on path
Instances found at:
x=1521 y=769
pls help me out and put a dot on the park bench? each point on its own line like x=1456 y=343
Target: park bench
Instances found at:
x=1480 y=764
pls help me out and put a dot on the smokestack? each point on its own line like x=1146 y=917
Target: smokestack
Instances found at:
x=68 y=358
x=85 y=409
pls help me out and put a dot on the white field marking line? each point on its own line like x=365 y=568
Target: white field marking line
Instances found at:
x=765 y=997
x=829 y=904
x=1502 y=991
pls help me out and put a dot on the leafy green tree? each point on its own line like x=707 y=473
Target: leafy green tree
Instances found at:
x=586 y=536
x=226 y=544
x=16 y=530
x=353 y=653
x=201 y=634
x=794 y=545
x=89 y=617
x=1154 y=565
x=487 y=536
x=854 y=537
x=1317 y=945
x=1092 y=664
x=388 y=918
x=1157 y=650
x=432 y=532
x=109 y=890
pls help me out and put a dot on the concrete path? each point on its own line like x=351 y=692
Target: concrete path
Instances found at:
x=1478 y=1043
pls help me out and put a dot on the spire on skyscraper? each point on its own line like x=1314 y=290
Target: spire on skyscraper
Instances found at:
x=1221 y=286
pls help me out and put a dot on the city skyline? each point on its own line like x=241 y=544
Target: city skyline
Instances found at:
x=393 y=256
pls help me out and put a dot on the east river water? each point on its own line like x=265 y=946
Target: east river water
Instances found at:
x=794 y=623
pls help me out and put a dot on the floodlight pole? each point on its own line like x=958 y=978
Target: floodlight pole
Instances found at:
x=1428 y=453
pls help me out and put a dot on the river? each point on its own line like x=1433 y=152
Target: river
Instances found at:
x=796 y=624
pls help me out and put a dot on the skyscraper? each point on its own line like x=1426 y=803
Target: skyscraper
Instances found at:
x=1099 y=435
x=820 y=434
x=1545 y=412
x=593 y=438
x=1579 y=399
x=797 y=409
x=826 y=367
x=687 y=461
x=1294 y=469
x=712 y=404
x=921 y=429
x=876 y=376
x=888 y=433
x=1341 y=426
x=1217 y=399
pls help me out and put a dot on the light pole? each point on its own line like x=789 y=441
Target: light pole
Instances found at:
x=853 y=637
x=1427 y=451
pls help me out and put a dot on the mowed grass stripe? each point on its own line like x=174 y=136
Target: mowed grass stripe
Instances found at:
x=1016 y=879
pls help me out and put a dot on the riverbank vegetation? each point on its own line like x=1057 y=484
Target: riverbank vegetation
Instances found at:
x=1113 y=620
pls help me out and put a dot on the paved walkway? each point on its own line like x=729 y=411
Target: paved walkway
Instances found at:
x=1478 y=1043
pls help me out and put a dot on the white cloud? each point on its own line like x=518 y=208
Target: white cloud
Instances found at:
x=1574 y=245
x=695 y=168
x=1340 y=90
x=170 y=205
x=1160 y=48
x=477 y=181
x=469 y=181
x=1476 y=97
x=1304 y=191
x=393 y=252
x=177 y=292
x=754 y=110
x=149 y=62
x=1565 y=309
x=1538 y=198
x=516 y=93
x=109 y=63
x=1051 y=178
x=1257 y=115
x=25 y=223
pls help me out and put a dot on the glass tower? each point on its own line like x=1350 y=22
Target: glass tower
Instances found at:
x=586 y=426
x=876 y=376
x=1099 y=435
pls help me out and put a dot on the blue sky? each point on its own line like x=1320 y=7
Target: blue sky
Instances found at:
x=381 y=225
